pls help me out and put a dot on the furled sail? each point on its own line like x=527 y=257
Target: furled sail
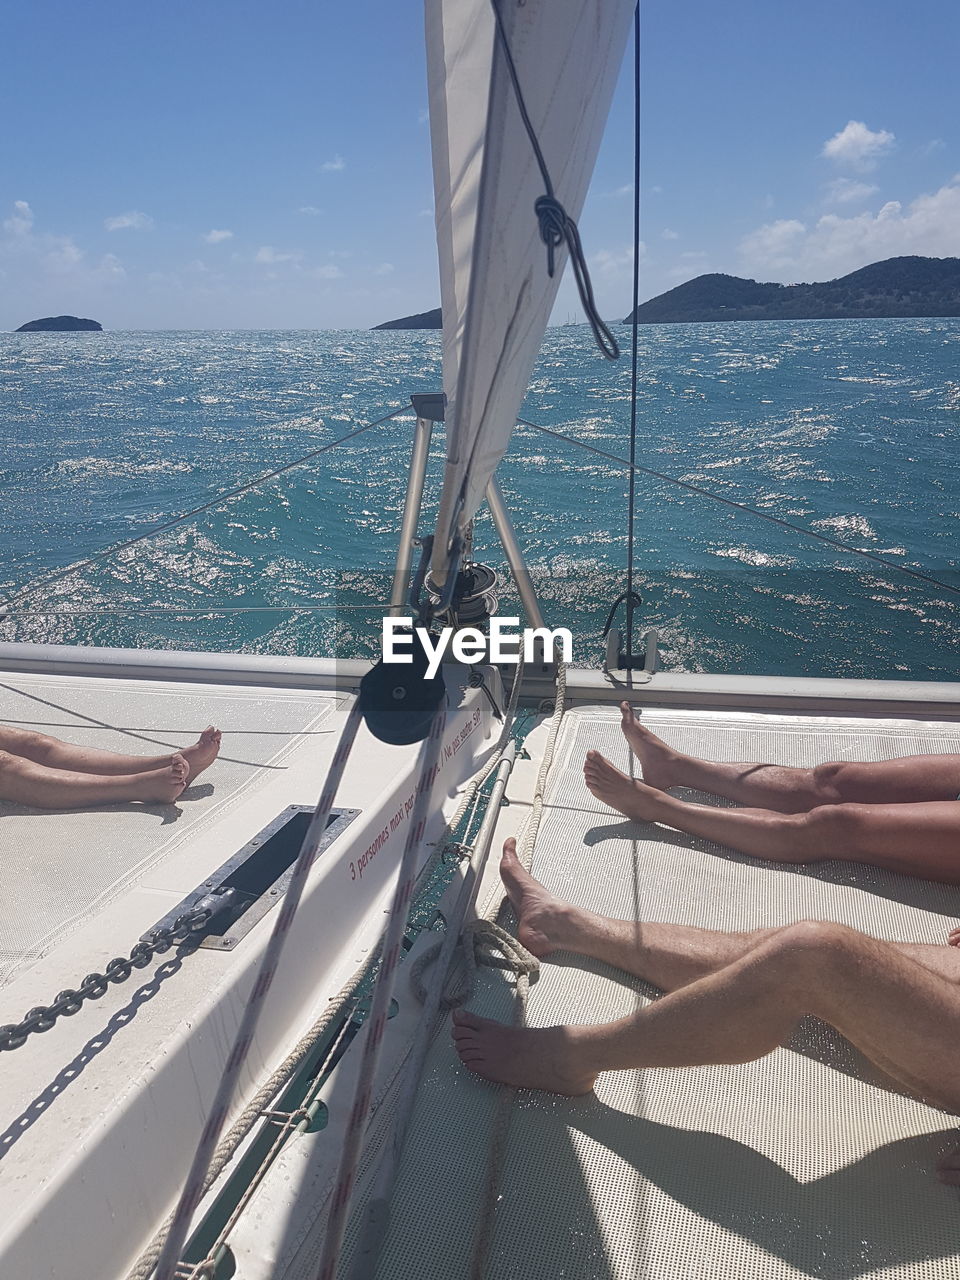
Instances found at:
x=494 y=287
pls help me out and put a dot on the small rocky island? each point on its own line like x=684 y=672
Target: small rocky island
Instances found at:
x=425 y=320
x=61 y=324
x=904 y=287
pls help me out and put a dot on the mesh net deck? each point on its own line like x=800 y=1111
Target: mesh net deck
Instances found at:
x=800 y=1165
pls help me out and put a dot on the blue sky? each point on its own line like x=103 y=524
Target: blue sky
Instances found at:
x=244 y=165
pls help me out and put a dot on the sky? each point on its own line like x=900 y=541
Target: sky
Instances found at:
x=234 y=165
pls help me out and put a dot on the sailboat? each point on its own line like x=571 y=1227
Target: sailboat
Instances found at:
x=350 y=1141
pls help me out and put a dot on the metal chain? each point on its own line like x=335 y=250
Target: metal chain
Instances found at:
x=95 y=985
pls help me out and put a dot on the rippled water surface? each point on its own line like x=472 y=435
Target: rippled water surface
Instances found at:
x=847 y=429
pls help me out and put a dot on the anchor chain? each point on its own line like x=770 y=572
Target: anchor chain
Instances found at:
x=95 y=985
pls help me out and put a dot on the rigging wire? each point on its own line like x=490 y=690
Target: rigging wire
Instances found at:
x=174 y=611
x=631 y=499
x=187 y=515
x=556 y=225
x=752 y=511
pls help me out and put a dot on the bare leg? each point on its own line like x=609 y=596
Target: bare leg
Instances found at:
x=910 y=779
x=54 y=754
x=917 y=839
x=666 y=955
x=25 y=782
x=904 y=1018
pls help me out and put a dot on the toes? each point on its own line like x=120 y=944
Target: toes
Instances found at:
x=464 y=1018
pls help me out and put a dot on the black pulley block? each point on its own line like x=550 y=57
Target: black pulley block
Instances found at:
x=397 y=700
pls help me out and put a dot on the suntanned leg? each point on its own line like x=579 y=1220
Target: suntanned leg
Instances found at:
x=26 y=782
x=666 y=955
x=43 y=749
x=904 y=1018
x=920 y=839
x=910 y=779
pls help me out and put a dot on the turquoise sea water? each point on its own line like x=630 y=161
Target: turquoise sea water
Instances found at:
x=850 y=429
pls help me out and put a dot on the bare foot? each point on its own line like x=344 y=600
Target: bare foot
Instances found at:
x=948 y=1169
x=657 y=760
x=953 y=938
x=633 y=799
x=203 y=752
x=163 y=785
x=525 y=1057
x=541 y=917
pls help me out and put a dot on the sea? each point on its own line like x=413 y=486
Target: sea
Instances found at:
x=846 y=429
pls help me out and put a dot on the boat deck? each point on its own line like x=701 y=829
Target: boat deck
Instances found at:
x=69 y=866
x=804 y=1164
x=100 y=1115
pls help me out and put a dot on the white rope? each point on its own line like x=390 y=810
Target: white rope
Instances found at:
x=193 y=1187
x=479 y=943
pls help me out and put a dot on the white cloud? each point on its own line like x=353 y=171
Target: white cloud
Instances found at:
x=612 y=262
x=858 y=146
x=310 y=210
x=932 y=147
x=215 y=237
x=334 y=165
x=269 y=256
x=63 y=257
x=384 y=269
x=835 y=245
x=848 y=191
x=329 y=272
x=111 y=266
x=133 y=221
x=667 y=234
x=21 y=224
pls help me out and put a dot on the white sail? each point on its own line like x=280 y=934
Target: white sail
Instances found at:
x=495 y=292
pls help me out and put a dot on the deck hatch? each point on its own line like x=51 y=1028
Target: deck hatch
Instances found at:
x=257 y=875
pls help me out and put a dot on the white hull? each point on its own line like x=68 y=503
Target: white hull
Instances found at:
x=102 y=1113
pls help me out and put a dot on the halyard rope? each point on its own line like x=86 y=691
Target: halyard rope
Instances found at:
x=380 y=1005
x=193 y=1187
x=254 y=1110
x=146 y=1263
x=556 y=225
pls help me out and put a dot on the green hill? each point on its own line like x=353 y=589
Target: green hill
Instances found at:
x=909 y=286
x=424 y=320
x=60 y=324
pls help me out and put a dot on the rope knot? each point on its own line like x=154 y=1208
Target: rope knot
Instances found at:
x=553 y=220
x=481 y=942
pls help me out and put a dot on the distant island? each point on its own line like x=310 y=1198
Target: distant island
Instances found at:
x=60 y=324
x=425 y=320
x=909 y=286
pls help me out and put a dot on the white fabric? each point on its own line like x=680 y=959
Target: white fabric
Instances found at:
x=494 y=288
